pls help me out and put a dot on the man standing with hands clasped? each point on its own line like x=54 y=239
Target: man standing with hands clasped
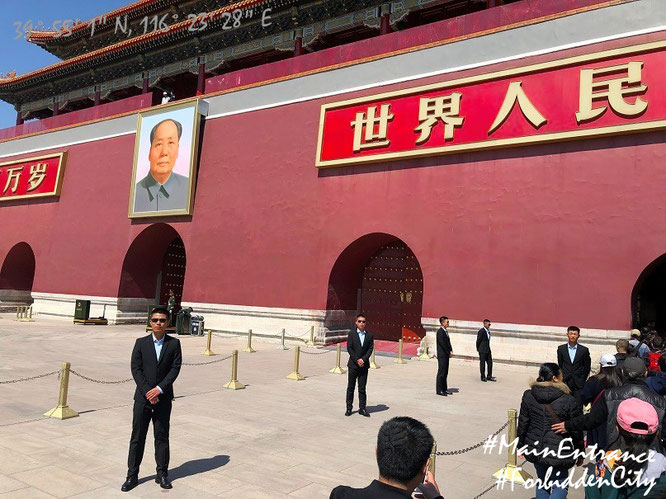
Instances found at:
x=444 y=353
x=359 y=345
x=156 y=361
x=574 y=361
x=485 y=355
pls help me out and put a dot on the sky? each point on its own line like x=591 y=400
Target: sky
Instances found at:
x=21 y=56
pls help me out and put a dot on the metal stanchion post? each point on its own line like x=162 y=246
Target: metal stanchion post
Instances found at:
x=373 y=364
x=296 y=375
x=337 y=369
x=282 y=345
x=424 y=345
x=234 y=384
x=249 y=348
x=18 y=309
x=311 y=341
x=400 y=360
x=512 y=472
x=208 y=351
x=433 y=458
x=62 y=410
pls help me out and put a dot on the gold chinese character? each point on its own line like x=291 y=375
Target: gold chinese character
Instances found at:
x=515 y=93
x=37 y=176
x=371 y=138
x=445 y=108
x=615 y=90
x=13 y=174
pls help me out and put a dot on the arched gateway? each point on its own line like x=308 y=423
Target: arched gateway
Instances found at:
x=648 y=298
x=17 y=275
x=155 y=263
x=379 y=275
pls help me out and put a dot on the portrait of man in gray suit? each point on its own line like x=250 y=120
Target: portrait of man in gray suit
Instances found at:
x=162 y=189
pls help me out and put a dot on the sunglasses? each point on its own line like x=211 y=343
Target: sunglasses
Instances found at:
x=361 y=321
x=158 y=320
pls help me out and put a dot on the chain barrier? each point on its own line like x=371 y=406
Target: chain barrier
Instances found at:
x=19 y=380
x=101 y=382
x=486 y=491
x=319 y=352
x=223 y=335
x=207 y=362
x=476 y=446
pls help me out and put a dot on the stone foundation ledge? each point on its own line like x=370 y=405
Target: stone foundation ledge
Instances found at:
x=524 y=344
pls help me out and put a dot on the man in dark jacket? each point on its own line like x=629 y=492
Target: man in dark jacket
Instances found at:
x=575 y=362
x=156 y=361
x=359 y=346
x=622 y=347
x=485 y=355
x=658 y=382
x=605 y=410
x=403 y=453
x=444 y=353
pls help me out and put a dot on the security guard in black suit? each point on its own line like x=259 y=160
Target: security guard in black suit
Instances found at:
x=444 y=353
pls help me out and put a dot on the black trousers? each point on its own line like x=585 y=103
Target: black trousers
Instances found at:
x=160 y=414
x=486 y=358
x=354 y=373
x=442 y=373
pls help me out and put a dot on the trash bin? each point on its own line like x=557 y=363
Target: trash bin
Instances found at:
x=82 y=310
x=183 y=319
x=197 y=325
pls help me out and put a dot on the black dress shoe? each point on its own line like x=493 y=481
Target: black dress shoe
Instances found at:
x=164 y=481
x=490 y=378
x=443 y=394
x=130 y=483
x=363 y=412
x=483 y=379
x=348 y=412
x=449 y=392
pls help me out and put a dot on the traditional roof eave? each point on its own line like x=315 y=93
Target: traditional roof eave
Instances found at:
x=179 y=26
x=47 y=35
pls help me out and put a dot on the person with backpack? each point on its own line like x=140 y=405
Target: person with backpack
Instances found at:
x=549 y=401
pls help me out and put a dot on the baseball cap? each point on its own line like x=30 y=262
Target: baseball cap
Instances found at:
x=634 y=367
x=638 y=417
x=608 y=360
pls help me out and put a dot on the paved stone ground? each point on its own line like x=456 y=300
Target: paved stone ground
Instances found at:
x=277 y=438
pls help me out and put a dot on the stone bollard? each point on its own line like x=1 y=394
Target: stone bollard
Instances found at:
x=249 y=348
x=373 y=364
x=62 y=410
x=208 y=351
x=512 y=472
x=234 y=384
x=400 y=360
x=338 y=368
x=296 y=376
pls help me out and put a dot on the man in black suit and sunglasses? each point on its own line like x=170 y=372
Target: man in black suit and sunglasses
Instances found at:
x=359 y=345
x=156 y=361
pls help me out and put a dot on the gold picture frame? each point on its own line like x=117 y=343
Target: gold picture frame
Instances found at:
x=143 y=190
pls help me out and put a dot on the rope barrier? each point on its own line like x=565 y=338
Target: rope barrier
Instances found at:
x=475 y=446
x=19 y=380
x=320 y=352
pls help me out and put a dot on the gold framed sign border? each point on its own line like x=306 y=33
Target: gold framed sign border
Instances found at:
x=62 y=159
x=497 y=143
x=196 y=125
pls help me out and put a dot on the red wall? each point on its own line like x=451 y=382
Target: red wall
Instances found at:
x=552 y=234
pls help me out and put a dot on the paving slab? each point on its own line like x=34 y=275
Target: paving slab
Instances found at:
x=277 y=438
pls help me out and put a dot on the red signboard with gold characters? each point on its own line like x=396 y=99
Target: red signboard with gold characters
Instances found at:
x=32 y=177
x=605 y=93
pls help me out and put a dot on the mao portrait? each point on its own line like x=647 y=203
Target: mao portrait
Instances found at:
x=165 y=154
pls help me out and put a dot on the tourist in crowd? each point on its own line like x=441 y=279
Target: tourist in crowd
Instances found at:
x=403 y=454
x=622 y=347
x=638 y=342
x=594 y=389
x=605 y=410
x=574 y=361
x=658 y=382
x=638 y=425
x=655 y=354
x=549 y=401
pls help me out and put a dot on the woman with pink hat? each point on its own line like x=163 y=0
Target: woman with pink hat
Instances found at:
x=633 y=470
